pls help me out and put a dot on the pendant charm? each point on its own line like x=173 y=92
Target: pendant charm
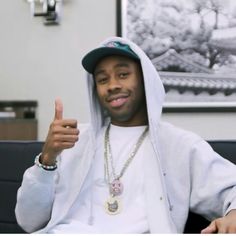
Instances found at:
x=113 y=205
x=116 y=187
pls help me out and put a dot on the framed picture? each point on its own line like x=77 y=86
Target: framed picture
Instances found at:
x=192 y=44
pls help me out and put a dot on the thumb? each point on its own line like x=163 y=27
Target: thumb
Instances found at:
x=58 y=109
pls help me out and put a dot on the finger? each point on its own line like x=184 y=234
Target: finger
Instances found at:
x=67 y=145
x=66 y=138
x=69 y=131
x=210 y=229
x=55 y=129
x=231 y=230
x=58 y=109
x=69 y=123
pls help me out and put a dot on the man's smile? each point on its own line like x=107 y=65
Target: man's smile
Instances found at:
x=118 y=100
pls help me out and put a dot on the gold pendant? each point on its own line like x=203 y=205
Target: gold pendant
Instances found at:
x=113 y=205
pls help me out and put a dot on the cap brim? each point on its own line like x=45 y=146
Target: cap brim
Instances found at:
x=90 y=60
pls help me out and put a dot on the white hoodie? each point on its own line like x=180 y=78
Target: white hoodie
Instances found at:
x=192 y=175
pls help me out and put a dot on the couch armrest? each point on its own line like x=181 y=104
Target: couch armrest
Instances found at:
x=15 y=158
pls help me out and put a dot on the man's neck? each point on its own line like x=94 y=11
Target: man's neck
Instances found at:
x=130 y=123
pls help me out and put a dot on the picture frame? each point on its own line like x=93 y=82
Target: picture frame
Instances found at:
x=190 y=86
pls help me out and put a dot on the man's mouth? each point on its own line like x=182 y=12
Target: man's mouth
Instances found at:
x=117 y=101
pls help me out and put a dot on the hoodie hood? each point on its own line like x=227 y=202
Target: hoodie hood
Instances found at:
x=154 y=89
x=155 y=94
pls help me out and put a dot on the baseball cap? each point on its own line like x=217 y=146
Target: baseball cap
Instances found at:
x=91 y=59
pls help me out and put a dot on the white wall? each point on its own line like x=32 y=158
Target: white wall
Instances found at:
x=42 y=63
x=210 y=126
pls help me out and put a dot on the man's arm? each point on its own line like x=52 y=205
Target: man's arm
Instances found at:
x=36 y=195
x=213 y=192
x=35 y=199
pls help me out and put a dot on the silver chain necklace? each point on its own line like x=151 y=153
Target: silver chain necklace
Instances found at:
x=113 y=204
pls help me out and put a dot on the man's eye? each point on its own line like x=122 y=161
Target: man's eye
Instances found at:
x=123 y=75
x=101 y=80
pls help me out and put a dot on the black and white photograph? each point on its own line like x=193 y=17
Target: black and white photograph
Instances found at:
x=192 y=44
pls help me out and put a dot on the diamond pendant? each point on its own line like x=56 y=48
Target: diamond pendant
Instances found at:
x=116 y=187
x=113 y=205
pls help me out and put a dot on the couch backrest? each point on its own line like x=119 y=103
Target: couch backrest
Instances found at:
x=16 y=157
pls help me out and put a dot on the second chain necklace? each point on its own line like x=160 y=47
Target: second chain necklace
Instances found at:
x=113 y=204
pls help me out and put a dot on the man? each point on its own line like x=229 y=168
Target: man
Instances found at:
x=129 y=172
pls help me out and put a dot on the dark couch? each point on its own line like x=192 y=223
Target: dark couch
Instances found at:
x=15 y=157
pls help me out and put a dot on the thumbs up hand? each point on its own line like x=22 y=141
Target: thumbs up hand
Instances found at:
x=62 y=134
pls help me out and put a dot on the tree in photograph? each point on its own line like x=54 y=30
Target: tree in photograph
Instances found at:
x=186 y=28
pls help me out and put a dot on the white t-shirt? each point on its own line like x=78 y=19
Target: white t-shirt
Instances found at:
x=88 y=214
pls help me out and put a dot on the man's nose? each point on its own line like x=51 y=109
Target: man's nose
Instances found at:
x=114 y=84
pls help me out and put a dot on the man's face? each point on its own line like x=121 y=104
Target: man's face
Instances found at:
x=120 y=89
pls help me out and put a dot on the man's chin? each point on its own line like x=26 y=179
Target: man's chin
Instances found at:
x=120 y=118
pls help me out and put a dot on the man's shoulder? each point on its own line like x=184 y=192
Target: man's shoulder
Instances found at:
x=171 y=132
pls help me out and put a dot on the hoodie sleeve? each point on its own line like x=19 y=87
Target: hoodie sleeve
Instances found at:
x=213 y=182
x=35 y=198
